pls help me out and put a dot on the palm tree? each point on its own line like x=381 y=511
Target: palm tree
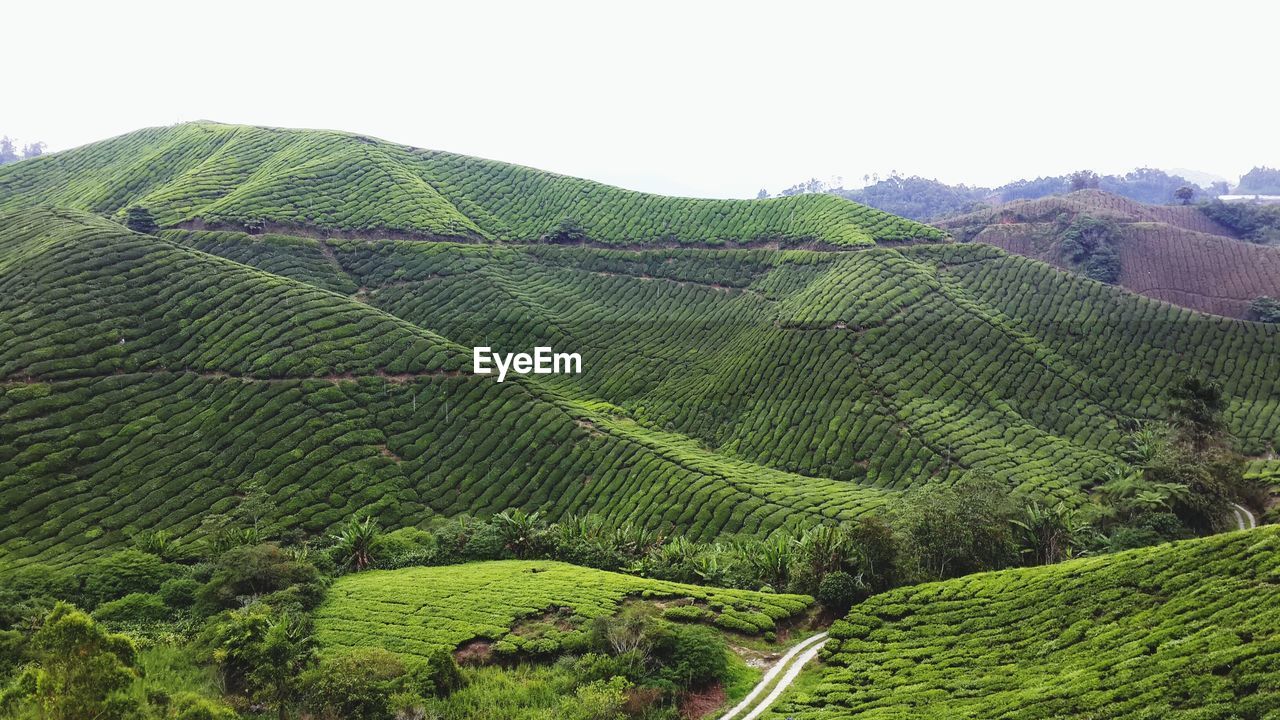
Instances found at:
x=521 y=532
x=354 y=543
x=1048 y=535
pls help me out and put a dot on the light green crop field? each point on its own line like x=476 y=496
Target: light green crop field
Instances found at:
x=1184 y=630
x=525 y=607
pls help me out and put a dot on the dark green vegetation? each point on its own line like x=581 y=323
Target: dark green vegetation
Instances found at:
x=248 y=178
x=1266 y=310
x=1188 y=630
x=1256 y=223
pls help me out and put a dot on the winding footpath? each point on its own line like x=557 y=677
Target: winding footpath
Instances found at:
x=784 y=672
x=1244 y=518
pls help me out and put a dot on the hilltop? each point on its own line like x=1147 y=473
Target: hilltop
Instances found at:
x=1176 y=254
x=1185 y=630
x=210 y=175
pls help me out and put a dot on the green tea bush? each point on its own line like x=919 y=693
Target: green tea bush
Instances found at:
x=526 y=607
x=250 y=178
x=1182 y=630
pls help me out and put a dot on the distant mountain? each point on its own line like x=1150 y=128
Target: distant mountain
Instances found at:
x=1205 y=180
x=923 y=199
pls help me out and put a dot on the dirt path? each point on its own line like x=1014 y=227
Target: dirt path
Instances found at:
x=777 y=679
x=1244 y=519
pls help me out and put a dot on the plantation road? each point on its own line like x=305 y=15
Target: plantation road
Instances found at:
x=784 y=672
x=1244 y=519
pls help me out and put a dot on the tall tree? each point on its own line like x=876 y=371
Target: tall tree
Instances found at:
x=140 y=220
x=8 y=150
x=81 y=672
x=1084 y=180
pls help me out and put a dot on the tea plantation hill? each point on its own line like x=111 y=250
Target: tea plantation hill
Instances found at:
x=338 y=183
x=145 y=382
x=1172 y=253
x=816 y=363
x=144 y=385
x=419 y=610
x=1180 y=631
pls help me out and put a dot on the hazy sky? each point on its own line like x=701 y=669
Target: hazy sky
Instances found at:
x=715 y=99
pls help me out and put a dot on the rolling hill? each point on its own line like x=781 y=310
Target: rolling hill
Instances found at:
x=1170 y=253
x=144 y=385
x=331 y=183
x=1185 y=630
x=146 y=382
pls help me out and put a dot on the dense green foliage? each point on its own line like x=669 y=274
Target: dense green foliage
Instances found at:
x=918 y=198
x=1255 y=223
x=200 y=429
x=1266 y=310
x=78 y=671
x=1089 y=245
x=523 y=607
x=241 y=177
x=1187 y=630
x=303 y=259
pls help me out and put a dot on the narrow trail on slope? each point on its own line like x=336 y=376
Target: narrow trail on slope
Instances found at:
x=1244 y=519
x=787 y=667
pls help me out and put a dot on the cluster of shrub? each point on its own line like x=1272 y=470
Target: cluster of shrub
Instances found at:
x=245 y=596
x=1088 y=243
x=921 y=198
x=1255 y=223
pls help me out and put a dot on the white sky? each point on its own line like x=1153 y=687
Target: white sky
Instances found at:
x=698 y=98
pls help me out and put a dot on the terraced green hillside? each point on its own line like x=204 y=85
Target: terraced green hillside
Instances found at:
x=233 y=176
x=145 y=382
x=144 y=385
x=1023 y=372
x=1187 y=630
x=521 y=606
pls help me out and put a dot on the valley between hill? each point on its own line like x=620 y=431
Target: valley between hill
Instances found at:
x=244 y=434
